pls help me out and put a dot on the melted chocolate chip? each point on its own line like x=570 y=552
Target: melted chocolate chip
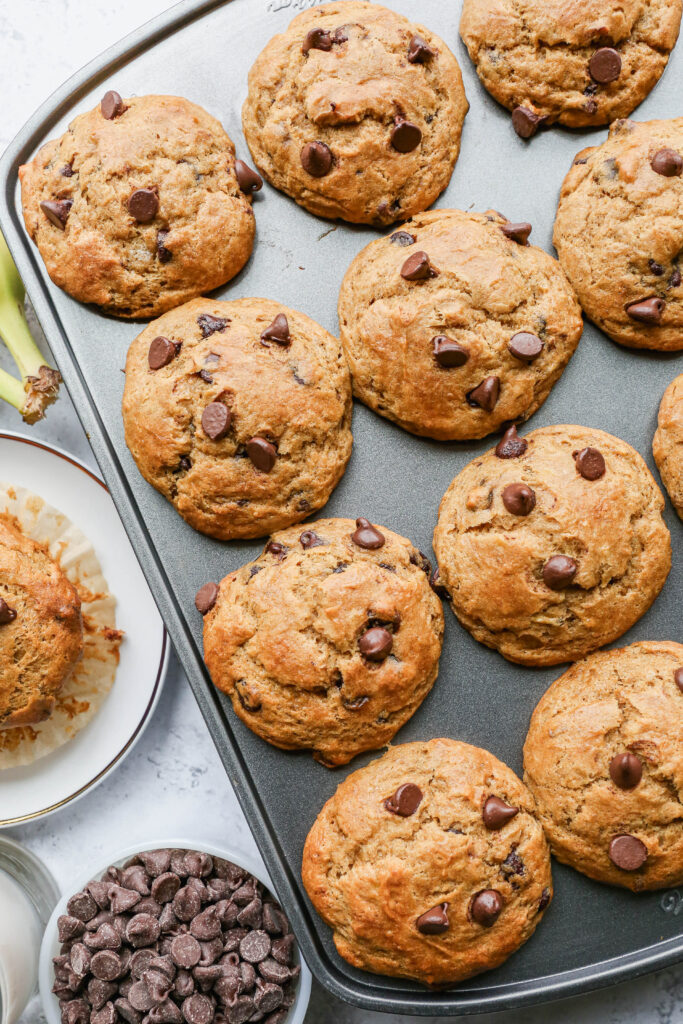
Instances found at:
x=111 y=105
x=162 y=351
x=316 y=159
x=525 y=122
x=627 y=852
x=647 y=311
x=209 y=324
x=206 y=598
x=519 y=499
x=497 y=813
x=402 y=238
x=278 y=331
x=262 y=453
x=434 y=921
x=517 y=232
x=626 y=770
x=317 y=39
x=405 y=136
x=655 y=268
x=605 y=65
x=310 y=539
x=667 y=162
x=376 y=644
x=678 y=678
x=164 y=255
x=143 y=204
x=247 y=178
x=419 y=52
x=485 y=395
x=559 y=572
x=366 y=535
x=216 y=419
x=57 y=211
x=7 y=614
x=525 y=346
x=67 y=171
x=437 y=586
x=405 y=801
x=278 y=550
x=448 y=353
x=511 y=445
x=589 y=463
x=544 y=900
x=417 y=267
x=486 y=907
x=356 y=704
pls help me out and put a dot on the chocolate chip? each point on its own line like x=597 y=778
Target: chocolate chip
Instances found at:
x=268 y=996
x=185 y=951
x=486 y=907
x=525 y=122
x=209 y=324
x=140 y=962
x=76 y=1011
x=376 y=644
x=497 y=813
x=485 y=395
x=57 y=211
x=590 y=106
x=162 y=351
x=158 y=985
x=517 y=232
x=525 y=346
x=278 y=331
x=163 y=254
x=678 y=678
x=216 y=419
x=589 y=463
x=367 y=536
x=437 y=586
x=283 y=949
x=105 y=965
x=165 y=1012
x=122 y=900
x=559 y=572
x=511 y=445
x=80 y=959
x=107 y=1015
x=251 y=916
x=656 y=268
x=143 y=204
x=316 y=159
x=626 y=770
x=405 y=136
x=405 y=801
x=99 y=992
x=448 y=353
x=417 y=267
x=111 y=105
x=402 y=238
x=206 y=925
x=675 y=279
x=142 y=930
x=274 y=920
x=647 y=311
x=127 y=1012
x=206 y=597
x=310 y=539
x=434 y=921
x=165 y=887
x=667 y=162
x=135 y=877
x=82 y=906
x=627 y=852
x=140 y=997
x=255 y=946
x=605 y=65
x=66 y=171
x=262 y=453
x=247 y=179
x=198 y=1009
x=419 y=52
x=69 y=928
x=519 y=499
x=271 y=970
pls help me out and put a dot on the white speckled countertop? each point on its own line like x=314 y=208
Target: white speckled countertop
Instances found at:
x=173 y=781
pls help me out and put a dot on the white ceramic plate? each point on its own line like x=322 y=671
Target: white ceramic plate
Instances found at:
x=50 y=945
x=84 y=761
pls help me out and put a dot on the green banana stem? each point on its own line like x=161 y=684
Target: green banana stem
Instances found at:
x=39 y=384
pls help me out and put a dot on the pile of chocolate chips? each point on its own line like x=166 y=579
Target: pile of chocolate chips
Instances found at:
x=175 y=936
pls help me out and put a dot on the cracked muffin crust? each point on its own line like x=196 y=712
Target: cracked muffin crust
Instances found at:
x=552 y=545
x=619 y=233
x=239 y=413
x=41 y=634
x=356 y=112
x=667 y=445
x=137 y=207
x=454 y=324
x=329 y=641
x=429 y=863
x=603 y=759
x=577 y=63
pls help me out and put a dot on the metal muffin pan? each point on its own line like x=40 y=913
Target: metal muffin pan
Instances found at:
x=593 y=935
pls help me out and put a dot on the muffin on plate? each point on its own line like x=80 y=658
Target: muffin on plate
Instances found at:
x=239 y=413
x=552 y=545
x=140 y=205
x=619 y=233
x=667 y=445
x=356 y=112
x=604 y=761
x=429 y=863
x=454 y=324
x=329 y=641
x=577 y=63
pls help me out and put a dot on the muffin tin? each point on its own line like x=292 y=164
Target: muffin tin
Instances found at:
x=593 y=935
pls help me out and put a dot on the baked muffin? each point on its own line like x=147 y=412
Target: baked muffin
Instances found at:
x=454 y=324
x=140 y=205
x=356 y=112
x=329 y=641
x=239 y=413
x=41 y=634
x=580 y=63
x=619 y=233
x=552 y=545
x=667 y=445
x=604 y=760
x=429 y=863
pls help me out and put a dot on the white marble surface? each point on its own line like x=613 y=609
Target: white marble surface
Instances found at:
x=173 y=782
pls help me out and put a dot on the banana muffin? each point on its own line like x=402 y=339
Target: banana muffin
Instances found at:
x=604 y=761
x=667 y=445
x=140 y=205
x=329 y=641
x=41 y=634
x=553 y=544
x=454 y=324
x=239 y=413
x=356 y=112
x=577 y=63
x=619 y=233
x=429 y=863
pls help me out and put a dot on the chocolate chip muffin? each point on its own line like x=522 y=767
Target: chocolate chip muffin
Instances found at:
x=454 y=324
x=429 y=863
x=329 y=641
x=619 y=233
x=356 y=112
x=580 y=64
x=552 y=545
x=140 y=205
x=41 y=634
x=239 y=413
x=603 y=758
x=667 y=445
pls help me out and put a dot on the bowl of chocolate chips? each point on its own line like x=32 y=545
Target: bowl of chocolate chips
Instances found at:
x=172 y=933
